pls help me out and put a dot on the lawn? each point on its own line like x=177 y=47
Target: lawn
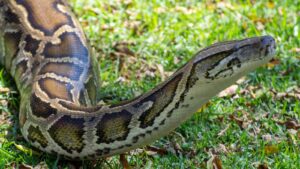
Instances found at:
x=139 y=43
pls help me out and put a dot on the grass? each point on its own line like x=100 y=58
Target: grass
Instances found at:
x=144 y=41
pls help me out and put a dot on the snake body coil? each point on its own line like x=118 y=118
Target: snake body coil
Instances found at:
x=45 y=50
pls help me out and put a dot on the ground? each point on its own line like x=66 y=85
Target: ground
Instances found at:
x=254 y=124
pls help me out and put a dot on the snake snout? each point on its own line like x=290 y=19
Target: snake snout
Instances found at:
x=268 y=43
x=267 y=40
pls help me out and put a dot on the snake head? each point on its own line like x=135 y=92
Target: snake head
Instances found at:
x=230 y=59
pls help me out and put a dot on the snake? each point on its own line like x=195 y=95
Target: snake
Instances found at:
x=43 y=47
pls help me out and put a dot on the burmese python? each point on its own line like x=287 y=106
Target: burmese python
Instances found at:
x=45 y=50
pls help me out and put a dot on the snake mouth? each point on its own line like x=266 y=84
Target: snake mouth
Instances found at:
x=268 y=46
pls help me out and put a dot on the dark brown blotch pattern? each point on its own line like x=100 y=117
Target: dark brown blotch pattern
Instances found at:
x=45 y=16
x=70 y=46
x=113 y=127
x=11 y=17
x=68 y=133
x=31 y=45
x=40 y=108
x=161 y=98
x=216 y=59
x=35 y=135
x=234 y=62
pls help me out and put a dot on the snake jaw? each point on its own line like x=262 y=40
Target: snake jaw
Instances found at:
x=270 y=48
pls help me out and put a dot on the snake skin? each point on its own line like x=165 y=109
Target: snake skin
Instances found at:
x=44 y=49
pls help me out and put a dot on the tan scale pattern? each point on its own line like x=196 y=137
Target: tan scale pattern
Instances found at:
x=41 y=14
x=56 y=89
x=71 y=71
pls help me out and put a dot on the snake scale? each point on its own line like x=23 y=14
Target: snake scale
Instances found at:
x=44 y=49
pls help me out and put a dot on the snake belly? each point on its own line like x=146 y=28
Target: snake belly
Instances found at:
x=45 y=50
